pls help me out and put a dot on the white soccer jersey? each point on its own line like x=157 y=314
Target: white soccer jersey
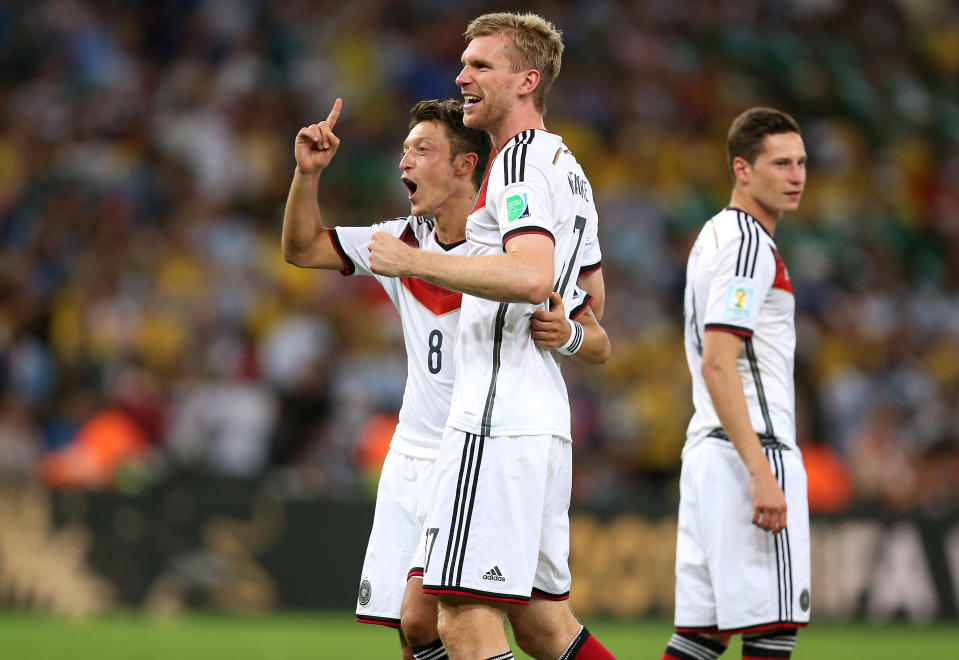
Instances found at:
x=737 y=282
x=429 y=315
x=505 y=385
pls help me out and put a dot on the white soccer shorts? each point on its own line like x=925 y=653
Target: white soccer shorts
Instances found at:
x=402 y=497
x=498 y=527
x=732 y=576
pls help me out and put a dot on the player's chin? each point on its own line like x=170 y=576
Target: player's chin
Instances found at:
x=471 y=119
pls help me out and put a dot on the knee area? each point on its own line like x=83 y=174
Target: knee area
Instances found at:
x=537 y=630
x=530 y=639
x=718 y=638
x=419 y=627
x=446 y=623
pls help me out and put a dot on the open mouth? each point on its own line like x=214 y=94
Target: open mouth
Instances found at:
x=470 y=101
x=410 y=186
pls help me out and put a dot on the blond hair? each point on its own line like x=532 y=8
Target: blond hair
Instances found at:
x=536 y=44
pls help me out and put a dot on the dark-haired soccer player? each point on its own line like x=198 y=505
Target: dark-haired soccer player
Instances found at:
x=741 y=565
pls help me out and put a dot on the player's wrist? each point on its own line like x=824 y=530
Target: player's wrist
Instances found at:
x=575 y=341
x=309 y=173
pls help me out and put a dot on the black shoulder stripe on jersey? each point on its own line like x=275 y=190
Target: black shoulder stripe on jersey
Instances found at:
x=580 y=308
x=760 y=391
x=742 y=241
x=749 y=245
x=348 y=266
x=522 y=160
x=754 y=226
x=498 y=324
x=528 y=229
x=514 y=158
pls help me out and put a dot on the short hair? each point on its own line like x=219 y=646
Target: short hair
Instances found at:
x=463 y=140
x=745 y=138
x=536 y=44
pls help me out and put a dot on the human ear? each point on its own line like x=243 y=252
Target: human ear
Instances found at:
x=465 y=163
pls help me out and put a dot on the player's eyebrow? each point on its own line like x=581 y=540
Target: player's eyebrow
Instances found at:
x=416 y=141
x=476 y=62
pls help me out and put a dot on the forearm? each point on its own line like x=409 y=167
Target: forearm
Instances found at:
x=303 y=227
x=596 y=347
x=726 y=391
x=594 y=285
x=504 y=277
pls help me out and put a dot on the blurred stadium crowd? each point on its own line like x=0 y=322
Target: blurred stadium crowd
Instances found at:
x=149 y=325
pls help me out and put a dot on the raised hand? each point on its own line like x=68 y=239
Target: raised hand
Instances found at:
x=316 y=144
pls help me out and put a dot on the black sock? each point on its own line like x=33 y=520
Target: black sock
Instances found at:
x=690 y=646
x=777 y=645
x=432 y=651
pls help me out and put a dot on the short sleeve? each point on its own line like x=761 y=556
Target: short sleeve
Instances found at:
x=580 y=301
x=592 y=257
x=352 y=243
x=519 y=196
x=741 y=274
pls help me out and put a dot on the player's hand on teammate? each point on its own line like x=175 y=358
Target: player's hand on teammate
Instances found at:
x=316 y=144
x=550 y=327
x=389 y=255
x=769 y=502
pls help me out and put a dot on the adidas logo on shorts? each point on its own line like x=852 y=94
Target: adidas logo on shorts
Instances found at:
x=494 y=574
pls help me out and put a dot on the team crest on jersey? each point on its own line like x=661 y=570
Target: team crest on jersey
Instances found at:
x=517 y=206
x=366 y=591
x=739 y=301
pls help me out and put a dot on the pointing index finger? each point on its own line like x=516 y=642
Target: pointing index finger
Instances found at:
x=334 y=113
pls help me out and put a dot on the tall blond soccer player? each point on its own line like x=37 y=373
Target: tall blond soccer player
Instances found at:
x=497 y=537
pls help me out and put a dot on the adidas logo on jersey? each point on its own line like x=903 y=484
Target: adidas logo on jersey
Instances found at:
x=494 y=574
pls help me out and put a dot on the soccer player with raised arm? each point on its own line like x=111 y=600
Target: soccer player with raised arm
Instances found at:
x=742 y=564
x=497 y=536
x=442 y=166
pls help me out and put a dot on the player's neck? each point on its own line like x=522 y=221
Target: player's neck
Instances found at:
x=523 y=118
x=768 y=219
x=450 y=221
